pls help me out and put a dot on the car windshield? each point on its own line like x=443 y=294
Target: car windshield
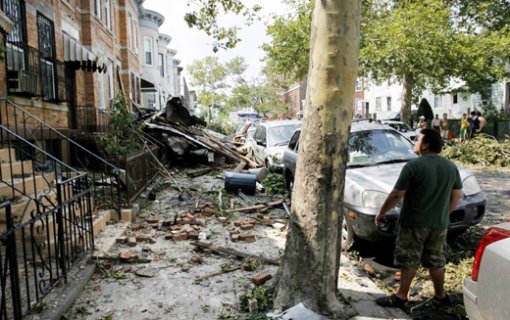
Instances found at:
x=280 y=135
x=373 y=147
x=402 y=127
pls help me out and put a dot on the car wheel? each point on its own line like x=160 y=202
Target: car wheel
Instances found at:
x=347 y=235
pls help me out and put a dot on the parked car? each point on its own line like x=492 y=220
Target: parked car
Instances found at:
x=270 y=140
x=487 y=290
x=403 y=128
x=376 y=156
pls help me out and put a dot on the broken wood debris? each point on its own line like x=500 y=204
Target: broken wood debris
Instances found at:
x=232 y=252
x=207 y=276
x=258 y=206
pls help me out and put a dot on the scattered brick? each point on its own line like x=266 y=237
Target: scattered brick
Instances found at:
x=145 y=238
x=234 y=237
x=247 y=226
x=121 y=240
x=223 y=219
x=237 y=223
x=196 y=260
x=193 y=235
x=247 y=237
x=131 y=241
x=127 y=255
x=209 y=212
x=279 y=226
x=152 y=220
x=137 y=227
x=261 y=278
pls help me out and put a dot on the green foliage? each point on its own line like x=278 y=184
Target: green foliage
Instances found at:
x=424 y=109
x=288 y=51
x=123 y=135
x=274 y=183
x=262 y=294
x=490 y=112
x=208 y=13
x=221 y=127
x=264 y=97
x=483 y=151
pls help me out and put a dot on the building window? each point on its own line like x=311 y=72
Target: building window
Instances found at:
x=151 y=99
x=359 y=85
x=437 y=102
x=107 y=15
x=46 y=56
x=388 y=103
x=378 y=106
x=97 y=8
x=455 y=98
x=148 y=50
x=161 y=65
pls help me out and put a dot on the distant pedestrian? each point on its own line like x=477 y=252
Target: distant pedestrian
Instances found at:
x=482 y=120
x=464 y=126
x=421 y=124
x=474 y=125
x=443 y=123
x=436 y=123
x=431 y=187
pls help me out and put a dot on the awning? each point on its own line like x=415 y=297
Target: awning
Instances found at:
x=83 y=58
x=147 y=86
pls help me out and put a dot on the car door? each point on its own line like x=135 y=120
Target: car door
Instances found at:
x=261 y=143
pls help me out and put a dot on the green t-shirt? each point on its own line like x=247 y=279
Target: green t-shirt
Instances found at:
x=428 y=181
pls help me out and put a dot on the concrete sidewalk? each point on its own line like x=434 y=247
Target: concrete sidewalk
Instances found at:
x=362 y=292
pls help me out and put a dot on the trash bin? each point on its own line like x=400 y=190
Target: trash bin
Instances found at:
x=240 y=181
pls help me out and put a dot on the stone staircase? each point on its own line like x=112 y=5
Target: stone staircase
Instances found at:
x=33 y=192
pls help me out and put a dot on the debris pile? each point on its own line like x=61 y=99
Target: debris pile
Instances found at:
x=483 y=150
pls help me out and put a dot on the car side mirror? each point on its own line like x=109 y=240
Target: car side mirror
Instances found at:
x=261 y=143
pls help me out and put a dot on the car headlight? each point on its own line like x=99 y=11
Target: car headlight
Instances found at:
x=278 y=156
x=373 y=199
x=471 y=186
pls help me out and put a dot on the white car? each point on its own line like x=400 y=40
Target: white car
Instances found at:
x=270 y=140
x=487 y=290
x=401 y=127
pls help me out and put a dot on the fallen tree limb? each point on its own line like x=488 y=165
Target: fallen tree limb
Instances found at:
x=207 y=276
x=258 y=206
x=233 y=252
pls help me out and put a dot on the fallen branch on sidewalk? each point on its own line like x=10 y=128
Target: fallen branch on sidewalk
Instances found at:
x=233 y=252
x=207 y=276
x=259 y=206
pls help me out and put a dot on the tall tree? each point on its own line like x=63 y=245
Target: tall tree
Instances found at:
x=309 y=271
x=211 y=76
x=420 y=44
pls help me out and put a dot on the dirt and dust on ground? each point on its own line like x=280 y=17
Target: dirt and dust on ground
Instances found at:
x=155 y=272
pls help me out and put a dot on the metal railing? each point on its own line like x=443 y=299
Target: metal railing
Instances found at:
x=108 y=189
x=37 y=252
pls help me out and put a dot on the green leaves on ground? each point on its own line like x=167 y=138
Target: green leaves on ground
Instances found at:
x=274 y=183
x=482 y=150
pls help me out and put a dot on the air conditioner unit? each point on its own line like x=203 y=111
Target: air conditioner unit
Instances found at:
x=22 y=81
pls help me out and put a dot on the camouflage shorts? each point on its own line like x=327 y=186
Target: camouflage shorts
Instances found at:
x=425 y=245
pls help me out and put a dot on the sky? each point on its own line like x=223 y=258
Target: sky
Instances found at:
x=192 y=44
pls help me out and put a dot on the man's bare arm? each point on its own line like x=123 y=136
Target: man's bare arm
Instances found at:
x=454 y=199
x=391 y=201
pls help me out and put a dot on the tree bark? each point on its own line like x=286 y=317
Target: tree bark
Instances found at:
x=309 y=271
x=407 y=96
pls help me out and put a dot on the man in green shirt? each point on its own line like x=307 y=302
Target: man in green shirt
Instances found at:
x=431 y=188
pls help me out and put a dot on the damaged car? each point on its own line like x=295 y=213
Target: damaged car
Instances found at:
x=376 y=155
x=270 y=140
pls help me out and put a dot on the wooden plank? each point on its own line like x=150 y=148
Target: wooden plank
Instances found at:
x=233 y=252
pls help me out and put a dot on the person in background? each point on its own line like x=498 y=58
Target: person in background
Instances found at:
x=474 y=125
x=421 y=124
x=443 y=123
x=436 y=123
x=464 y=126
x=482 y=120
x=431 y=187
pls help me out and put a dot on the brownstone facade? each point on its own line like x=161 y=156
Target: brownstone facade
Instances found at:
x=67 y=59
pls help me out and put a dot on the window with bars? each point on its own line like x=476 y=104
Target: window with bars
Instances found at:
x=46 y=56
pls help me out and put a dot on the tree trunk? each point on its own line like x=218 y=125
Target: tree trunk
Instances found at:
x=407 y=95
x=309 y=271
